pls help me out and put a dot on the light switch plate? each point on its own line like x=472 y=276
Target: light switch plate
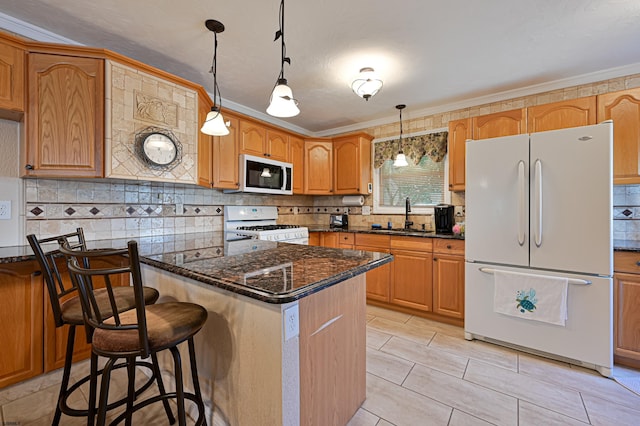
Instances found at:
x=5 y=210
x=366 y=210
x=291 y=322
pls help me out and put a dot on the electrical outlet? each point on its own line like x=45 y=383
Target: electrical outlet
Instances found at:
x=5 y=210
x=366 y=210
x=291 y=322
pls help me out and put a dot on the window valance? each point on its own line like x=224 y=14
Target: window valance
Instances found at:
x=433 y=145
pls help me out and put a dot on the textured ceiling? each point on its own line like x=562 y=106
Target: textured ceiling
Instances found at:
x=430 y=54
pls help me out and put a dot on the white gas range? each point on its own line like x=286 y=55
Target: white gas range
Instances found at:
x=259 y=222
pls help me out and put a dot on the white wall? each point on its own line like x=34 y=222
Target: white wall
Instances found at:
x=11 y=187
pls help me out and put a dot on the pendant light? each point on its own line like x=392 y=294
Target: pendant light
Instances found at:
x=282 y=103
x=214 y=123
x=366 y=83
x=401 y=159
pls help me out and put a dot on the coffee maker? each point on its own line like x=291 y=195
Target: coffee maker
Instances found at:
x=443 y=216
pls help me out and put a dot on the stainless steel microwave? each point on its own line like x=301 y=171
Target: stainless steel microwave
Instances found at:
x=265 y=176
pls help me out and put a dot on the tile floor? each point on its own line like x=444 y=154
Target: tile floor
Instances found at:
x=421 y=372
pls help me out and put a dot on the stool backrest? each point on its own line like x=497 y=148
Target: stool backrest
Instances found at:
x=107 y=315
x=46 y=255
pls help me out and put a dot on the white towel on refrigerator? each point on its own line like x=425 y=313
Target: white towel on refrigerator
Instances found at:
x=532 y=297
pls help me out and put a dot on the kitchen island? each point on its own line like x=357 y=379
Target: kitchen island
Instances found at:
x=284 y=342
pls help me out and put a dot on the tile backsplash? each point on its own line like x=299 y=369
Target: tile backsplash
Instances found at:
x=626 y=212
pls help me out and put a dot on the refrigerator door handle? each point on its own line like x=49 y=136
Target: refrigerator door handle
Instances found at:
x=521 y=203
x=537 y=193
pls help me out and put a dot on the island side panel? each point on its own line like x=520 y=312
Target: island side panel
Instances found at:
x=238 y=351
x=333 y=353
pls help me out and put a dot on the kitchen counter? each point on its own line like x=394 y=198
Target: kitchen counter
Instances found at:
x=268 y=271
x=383 y=231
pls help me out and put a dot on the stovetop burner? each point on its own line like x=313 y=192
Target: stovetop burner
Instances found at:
x=266 y=227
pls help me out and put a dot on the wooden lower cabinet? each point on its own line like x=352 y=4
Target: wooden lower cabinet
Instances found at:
x=378 y=280
x=21 y=314
x=412 y=273
x=626 y=316
x=315 y=238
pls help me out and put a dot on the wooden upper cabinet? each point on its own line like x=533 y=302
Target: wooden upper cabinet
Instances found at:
x=255 y=139
x=205 y=144
x=296 y=157
x=352 y=164
x=225 y=156
x=252 y=138
x=624 y=109
x=562 y=115
x=12 y=92
x=65 y=120
x=277 y=147
x=459 y=132
x=505 y=123
x=318 y=161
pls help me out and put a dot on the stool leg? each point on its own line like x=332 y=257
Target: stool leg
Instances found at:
x=68 y=359
x=104 y=391
x=165 y=402
x=177 y=364
x=131 y=391
x=93 y=384
x=196 y=382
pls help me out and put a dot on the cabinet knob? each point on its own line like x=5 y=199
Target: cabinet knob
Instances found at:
x=449 y=246
x=435 y=259
x=28 y=167
x=638 y=263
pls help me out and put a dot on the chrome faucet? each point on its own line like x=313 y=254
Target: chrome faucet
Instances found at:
x=407 y=209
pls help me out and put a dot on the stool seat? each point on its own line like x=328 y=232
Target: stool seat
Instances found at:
x=125 y=299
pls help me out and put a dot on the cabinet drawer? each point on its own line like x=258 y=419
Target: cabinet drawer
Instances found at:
x=446 y=246
x=411 y=243
x=381 y=241
x=345 y=238
x=626 y=261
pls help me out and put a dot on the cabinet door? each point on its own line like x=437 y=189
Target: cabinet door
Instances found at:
x=626 y=321
x=65 y=123
x=351 y=164
x=448 y=285
x=277 y=145
x=378 y=279
x=12 y=61
x=504 y=123
x=252 y=139
x=412 y=280
x=624 y=109
x=318 y=160
x=459 y=132
x=330 y=239
x=205 y=145
x=314 y=238
x=21 y=293
x=562 y=115
x=225 y=157
x=296 y=156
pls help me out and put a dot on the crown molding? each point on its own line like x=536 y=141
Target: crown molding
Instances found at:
x=32 y=32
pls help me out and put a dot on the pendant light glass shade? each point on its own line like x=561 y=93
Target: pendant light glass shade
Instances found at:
x=401 y=159
x=282 y=103
x=366 y=84
x=214 y=124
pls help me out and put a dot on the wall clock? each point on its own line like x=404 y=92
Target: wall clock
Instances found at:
x=158 y=149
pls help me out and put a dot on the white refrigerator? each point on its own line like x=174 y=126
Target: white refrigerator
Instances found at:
x=541 y=204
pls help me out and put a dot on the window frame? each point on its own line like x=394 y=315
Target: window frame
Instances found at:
x=377 y=208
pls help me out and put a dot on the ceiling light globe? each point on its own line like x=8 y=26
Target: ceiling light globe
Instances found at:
x=366 y=84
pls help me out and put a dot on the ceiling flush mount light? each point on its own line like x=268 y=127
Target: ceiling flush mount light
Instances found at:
x=214 y=123
x=282 y=103
x=401 y=159
x=366 y=84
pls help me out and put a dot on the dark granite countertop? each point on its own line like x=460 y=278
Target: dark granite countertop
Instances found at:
x=264 y=270
x=383 y=231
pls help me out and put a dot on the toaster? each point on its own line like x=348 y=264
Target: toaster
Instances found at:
x=339 y=221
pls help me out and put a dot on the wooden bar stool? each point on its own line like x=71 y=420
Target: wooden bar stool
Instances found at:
x=67 y=309
x=140 y=332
